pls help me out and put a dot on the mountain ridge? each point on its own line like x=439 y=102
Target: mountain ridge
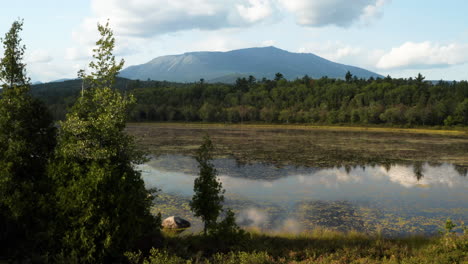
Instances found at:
x=260 y=62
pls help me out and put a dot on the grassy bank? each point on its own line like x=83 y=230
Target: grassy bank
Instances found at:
x=319 y=246
x=369 y=128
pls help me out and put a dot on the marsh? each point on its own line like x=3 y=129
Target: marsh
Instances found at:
x=296 y=179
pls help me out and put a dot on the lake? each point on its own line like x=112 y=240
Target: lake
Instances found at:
x=364 y=181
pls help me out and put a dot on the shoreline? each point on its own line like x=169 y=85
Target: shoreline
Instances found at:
x=344 y=128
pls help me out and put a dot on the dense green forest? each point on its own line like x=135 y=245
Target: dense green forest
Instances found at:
x=387 y=101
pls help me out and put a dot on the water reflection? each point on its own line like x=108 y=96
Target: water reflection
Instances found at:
x=394 y=198
x=264 y=171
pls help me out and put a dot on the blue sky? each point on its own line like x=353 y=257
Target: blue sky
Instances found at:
x=396 y=37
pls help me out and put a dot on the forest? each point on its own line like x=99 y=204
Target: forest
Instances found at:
x=394 y=102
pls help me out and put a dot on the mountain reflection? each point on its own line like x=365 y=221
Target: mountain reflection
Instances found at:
x=342 y=198
x=262 y=171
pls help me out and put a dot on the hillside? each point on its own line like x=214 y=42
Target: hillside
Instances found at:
x=228 y=66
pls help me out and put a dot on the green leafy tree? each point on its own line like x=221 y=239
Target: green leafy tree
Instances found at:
x=103 y=205
x=208 y=198
x=27 y=139
x=461 y=112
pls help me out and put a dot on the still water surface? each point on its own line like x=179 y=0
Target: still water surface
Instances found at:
x=393 y=199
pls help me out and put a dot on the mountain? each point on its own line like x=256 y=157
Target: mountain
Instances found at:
x=64 y=80
x=227 y=66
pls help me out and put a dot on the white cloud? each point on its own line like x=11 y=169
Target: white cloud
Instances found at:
x=145 y=18
x=38 y=56
x=410 y=55
x=334 y=51
x=256 y=10
x=424 y=55
x=76 y=54
x=46 y=72
x=343 y=13
x=373 y=11
x=343 y=53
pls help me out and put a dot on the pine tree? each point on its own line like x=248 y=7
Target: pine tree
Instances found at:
x=348 y=76
x=208 y=198
x=27 y=139
x=102 y=200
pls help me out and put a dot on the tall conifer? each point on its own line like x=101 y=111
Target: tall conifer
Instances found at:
x=27 y=139
x=101 y=197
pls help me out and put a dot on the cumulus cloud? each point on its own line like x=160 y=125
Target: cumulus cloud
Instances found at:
x=373 y=11
x=255 y=10
x=145 y=18
x=343 y=13
x=424 y=55
x=410 y=55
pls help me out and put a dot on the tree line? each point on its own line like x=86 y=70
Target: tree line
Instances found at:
x=382 y=101
x=387 y=101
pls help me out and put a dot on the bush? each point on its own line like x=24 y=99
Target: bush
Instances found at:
x=227 y=234
x=157 y=256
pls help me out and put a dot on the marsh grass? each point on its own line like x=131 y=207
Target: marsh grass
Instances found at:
x=310 y=146
x=317 y=246
x=315 y=147
x=316 y=215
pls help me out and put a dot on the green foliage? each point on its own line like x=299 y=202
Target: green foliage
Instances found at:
x=393 y=102
x=243 y=258
x=102 y=204
x=27 y=139
x=461 y=112
x=449 y=226
x=156 y=257
x=226 y=234
x=348 y=76
x=207 y=201
x=13 y=70
x=324 y=247
x=228 y=227
x=105 y=67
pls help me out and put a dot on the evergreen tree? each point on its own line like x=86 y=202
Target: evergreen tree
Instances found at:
x=279 y=76
x=348 y=76
x=27 y=139
x=103 y=205
x=208 y=198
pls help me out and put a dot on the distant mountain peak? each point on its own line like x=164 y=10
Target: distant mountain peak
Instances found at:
x=257 y=61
